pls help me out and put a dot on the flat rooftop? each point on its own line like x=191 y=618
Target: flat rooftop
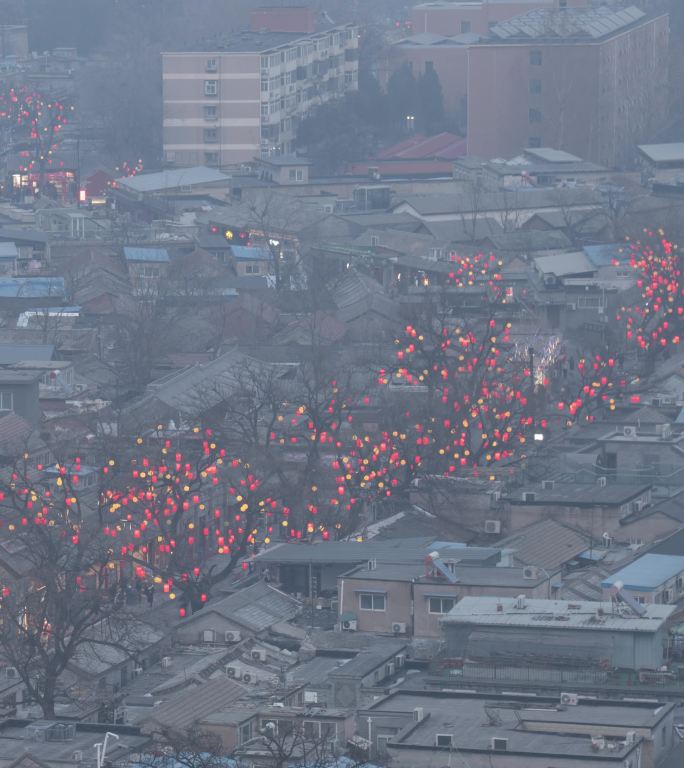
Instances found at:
x=475 y=720
x=579 y=494
x=556 y=614
x=257 y=42
x=466 y=575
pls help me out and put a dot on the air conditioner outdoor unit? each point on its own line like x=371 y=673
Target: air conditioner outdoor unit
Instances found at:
x=638 y=505
x=530 y=572
x=629 y=431
x=208 y=636
x=232 y=636
x=246 y=677
x=569 y=699
x=548 y=485
x=11 y=673
x=495 y=496
x=372 y=565
x=571 y=305
x=232 y=671
x=259 y=655
x=349 y=625
x=310 y=697
x=492 y=526
x=138 y=671
x=399 y=627
x=418 y=714
x=498 y=744
x=78 y=756
x=529 y=496
x=630 y=737
x=400 y=660
x=166 y=662
x=603 y=481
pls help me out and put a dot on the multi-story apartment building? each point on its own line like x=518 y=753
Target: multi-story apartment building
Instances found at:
x=458 y=17
x=244 y=100
x=590 y=81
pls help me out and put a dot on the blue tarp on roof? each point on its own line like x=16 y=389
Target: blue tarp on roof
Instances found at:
x=603 y=255
x=648 y=572
x=251 y=253
x=31 y=287
x=145 y=254
x=17 y=353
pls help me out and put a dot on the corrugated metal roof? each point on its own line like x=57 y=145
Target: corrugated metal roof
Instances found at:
x=647 y=572
x=145 y=254
x=190 y=706
x=8 y=251
x=31 y=287
x=251 y=253
x=16 y=353
x=172 y=179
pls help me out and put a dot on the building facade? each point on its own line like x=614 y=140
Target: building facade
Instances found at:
x=477 y=16
x=592 y=82
x=226 y=107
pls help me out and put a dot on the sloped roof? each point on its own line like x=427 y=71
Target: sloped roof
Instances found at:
x=172 y=179
x=16 y=353
x=256 y=607
x=547 y=544
x=358 y=294
x=14 y=431
x=445 y=146
x=570 y=23
x=146 y=254
x=190 y=706
x=32 y=287
x=198 y=387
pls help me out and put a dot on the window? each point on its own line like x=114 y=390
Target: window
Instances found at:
x=372 y=602
x=535 y=86
x=210 y=113
x=296 y=174
x=535 y=58
x=212 y=65
x=348 y=78
x=210 y=135
x=535 y=115
x=211 y=158
x=443 y=739
x=441 y=604
x=264 y=62
x=210 y=87
x=465 y=27
x=264 y=83
x=534 y=141
x=6 y=401
x=252 y=269
x=245 y=732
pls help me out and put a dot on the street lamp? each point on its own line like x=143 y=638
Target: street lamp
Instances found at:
x=410 y=122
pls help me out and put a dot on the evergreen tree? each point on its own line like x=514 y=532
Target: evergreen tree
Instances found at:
x=431 y=110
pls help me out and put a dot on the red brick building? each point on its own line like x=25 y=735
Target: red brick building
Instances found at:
x=592 y=82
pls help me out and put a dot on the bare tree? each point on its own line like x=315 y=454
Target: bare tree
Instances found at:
x=191 y=748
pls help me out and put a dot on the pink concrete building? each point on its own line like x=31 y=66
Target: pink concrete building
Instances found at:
x=592 y=82
x=458 y=17
x=225 y=107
